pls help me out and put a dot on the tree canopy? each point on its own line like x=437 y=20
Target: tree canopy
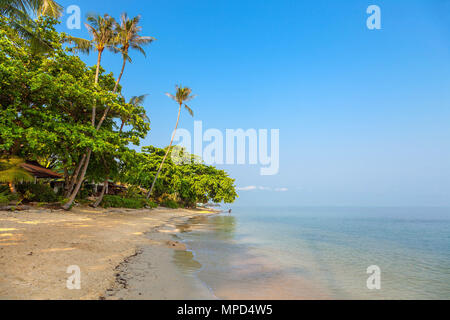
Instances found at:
x=46 y=106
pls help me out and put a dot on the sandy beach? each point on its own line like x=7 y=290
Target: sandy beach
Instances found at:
x=37 y=246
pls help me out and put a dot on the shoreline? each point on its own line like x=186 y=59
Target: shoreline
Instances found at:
x=152 y=274
x=37 y=246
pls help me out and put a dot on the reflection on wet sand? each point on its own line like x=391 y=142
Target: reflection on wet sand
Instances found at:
x=221 y=227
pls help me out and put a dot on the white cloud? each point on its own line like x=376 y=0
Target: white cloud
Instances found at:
x=262 y=188
x=249 y=188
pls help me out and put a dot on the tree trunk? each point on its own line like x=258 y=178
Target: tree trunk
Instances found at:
x=66 y=178
x=121 y=74
x=105 y=113
x=165 y=156
x=75 y=176
x=102 y=194
x=88 y=156
x=68 y=205
x=122 y=125
x=94 y=109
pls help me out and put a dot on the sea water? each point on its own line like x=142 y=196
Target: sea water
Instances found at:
x=319 y=253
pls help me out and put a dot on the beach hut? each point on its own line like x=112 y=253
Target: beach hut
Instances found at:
x=39 y=172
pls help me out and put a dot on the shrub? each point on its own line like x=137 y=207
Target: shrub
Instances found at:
x=37 y=192
x=151 y=204
x=129 y=203
x=4 y=199
x=169 y=203
x=84 y=193
x=4 y=189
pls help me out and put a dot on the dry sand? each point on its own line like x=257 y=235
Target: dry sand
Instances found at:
x=37 y=247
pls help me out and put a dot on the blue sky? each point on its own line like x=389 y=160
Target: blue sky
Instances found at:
x=364 y=115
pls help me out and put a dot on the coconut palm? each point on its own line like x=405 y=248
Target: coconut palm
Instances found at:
x=12 y=172
x=104 y=37
x=23 y=8
x=182 y=95
x=20 y=11
x=127 y=37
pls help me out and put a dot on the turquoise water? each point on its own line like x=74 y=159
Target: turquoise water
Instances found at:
x=298 y=253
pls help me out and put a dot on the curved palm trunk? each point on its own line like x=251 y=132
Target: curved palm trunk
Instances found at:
x=105 y=114
x=75 y=176
x=120 y=75
x=97 y=72
x=74 y=194
x=165 y=156
x=68 y=205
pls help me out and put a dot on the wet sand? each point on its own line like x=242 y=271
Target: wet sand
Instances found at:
x=145 y=277
x=37 y=246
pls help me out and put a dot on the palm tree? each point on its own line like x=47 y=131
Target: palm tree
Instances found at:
x=12 y=172
x=19 y=12
x=22 y=8
x=127 y=36
x=104 y=37
x=182 y=95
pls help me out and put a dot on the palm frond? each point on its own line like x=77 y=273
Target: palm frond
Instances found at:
x=26 y=31
x=49 y=8
x=80 y=44
x=171 y=96
x=182 y=95
x=128 y=34
x=189 y=110
x=11 y=171
x=138 y=100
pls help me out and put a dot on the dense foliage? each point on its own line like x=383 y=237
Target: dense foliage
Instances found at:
x=189 y=182
x=36 y=192
x=47 y=101
x=124 y=202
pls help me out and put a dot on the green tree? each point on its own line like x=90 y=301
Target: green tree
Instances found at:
x=46 y=102
x=189 y=181
x=182 y=95
x=127 y=36
x=134 y=115
x=104 y=37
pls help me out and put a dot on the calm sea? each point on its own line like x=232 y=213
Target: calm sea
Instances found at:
x=320 y=253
